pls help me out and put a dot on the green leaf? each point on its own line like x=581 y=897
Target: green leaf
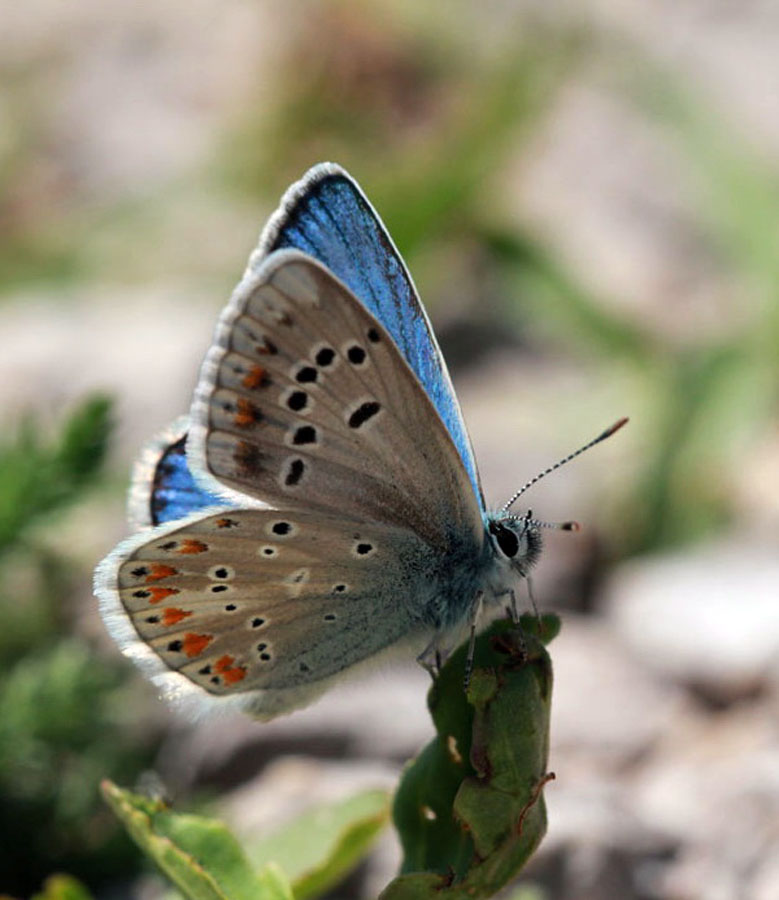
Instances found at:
x=470 y=810
x=199 y=855
x=320 y=848
x=63 y=887
x=274 y=884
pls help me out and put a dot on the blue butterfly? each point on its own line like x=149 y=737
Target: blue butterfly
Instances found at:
x=321 y=503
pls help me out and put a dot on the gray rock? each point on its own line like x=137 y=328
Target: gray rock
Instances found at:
x=708 y=617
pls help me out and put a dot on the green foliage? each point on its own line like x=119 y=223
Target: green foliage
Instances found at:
x=205 y=862
x=37 y=478
x=200 y=856
x=63 y=710
x=63 y=887
x=470 y=810
x=59 y=733
x=318 y=850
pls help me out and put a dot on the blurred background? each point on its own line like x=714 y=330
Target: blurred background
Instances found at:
x=588 y=197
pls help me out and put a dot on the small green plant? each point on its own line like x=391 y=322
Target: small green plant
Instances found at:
x=60 y=731
x=469 y=810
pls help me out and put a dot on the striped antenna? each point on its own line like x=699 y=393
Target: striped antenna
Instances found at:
x=566 y=526
x=530 y=522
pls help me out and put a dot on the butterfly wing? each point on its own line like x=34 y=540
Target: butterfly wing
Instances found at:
x=327 y=216
x=262 y=608
x=305 y=401
x=162 y=488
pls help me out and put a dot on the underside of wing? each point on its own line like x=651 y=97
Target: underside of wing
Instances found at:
x=327 y=216
x=263 y=605
x=305 y=401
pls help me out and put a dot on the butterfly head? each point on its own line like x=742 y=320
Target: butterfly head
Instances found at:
x=516 y=540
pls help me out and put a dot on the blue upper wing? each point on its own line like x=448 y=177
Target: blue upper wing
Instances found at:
x=327 y=216
x=175 y=493
x=163 y=488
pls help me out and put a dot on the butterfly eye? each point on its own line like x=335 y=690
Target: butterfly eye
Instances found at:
x=505 y=538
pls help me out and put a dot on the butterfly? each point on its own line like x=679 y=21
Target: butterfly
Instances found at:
x=320 y=505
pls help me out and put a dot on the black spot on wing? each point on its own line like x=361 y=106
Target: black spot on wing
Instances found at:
x=295 y=472
x=364 y=413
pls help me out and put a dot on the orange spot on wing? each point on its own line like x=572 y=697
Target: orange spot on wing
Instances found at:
x=158 y=594
x=192 y=546
x=195 y=644
x=172 y=615
x=158 y=571
x=226 y=523
x=229 y=672
x=247 y=414
x=236 y=674
x=254 y=378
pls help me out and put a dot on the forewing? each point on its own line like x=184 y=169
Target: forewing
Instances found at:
x=162 y=488
x=261 y=605
x=327 y=216
x=305 y=401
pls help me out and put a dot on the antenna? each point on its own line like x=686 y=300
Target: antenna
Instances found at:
x=530 y=522
x=566 y=526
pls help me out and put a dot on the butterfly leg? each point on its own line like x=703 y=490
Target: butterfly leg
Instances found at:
x=476 y=608
x=433 y=657
x=529 y=583
x=511 y=607
x=513 y=613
